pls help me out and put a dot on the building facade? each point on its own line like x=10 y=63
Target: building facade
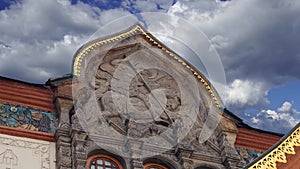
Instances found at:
x=130 y=103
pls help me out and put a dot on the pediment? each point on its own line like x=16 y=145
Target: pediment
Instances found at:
x=135 y=34
x=132 y=86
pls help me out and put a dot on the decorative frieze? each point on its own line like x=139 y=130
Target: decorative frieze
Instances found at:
x=248 y=154
x=27 y=118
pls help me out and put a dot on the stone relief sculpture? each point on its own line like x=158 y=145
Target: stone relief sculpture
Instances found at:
x=141 y=98
x=131 y=94
x=140 y=95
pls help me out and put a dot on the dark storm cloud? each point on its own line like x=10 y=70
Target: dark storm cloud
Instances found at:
x=261 y=38
x=257 y=40
x=258 y=44
x=269 y=52
x=44 y=35
x=263 y=44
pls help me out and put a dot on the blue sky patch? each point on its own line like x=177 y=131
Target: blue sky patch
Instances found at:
x=5 y=4
x=289 y=92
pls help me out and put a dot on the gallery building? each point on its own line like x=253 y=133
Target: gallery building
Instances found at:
x=131 y=103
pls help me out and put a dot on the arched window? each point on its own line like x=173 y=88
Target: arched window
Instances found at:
x=154 y=166
x=100 y=161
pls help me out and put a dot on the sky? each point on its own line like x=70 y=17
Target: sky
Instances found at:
x=257 y=42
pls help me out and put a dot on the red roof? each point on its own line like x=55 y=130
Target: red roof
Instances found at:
x=257 y=140
x=26 y=94
x=293 y=160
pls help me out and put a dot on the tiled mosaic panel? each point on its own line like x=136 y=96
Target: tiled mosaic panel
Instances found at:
x=27 y=118
x=248 y=154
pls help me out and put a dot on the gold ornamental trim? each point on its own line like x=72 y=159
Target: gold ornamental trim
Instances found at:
x=278 y=154
x=137 y=28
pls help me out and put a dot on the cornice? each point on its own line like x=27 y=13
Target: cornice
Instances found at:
x=27 y=133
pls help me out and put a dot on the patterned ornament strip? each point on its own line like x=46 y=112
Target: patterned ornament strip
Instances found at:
x=248 y=154
x=27 y=118
x=279 y=153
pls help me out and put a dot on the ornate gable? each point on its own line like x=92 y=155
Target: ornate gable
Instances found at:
x=85 y=53
x=136 y=98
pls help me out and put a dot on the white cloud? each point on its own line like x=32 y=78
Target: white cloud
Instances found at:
x=195 y=11
x=147 y=5
x=255 y=120
x=287 y=108
x=243 y=93
x=270 y=114
x=220 y=42
x=281 y=120
x=111 y=15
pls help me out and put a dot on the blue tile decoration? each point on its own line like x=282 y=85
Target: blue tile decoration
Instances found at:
x=27 y=118
x=248 y=154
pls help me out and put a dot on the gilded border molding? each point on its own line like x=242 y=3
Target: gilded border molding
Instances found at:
x=134 y=30
x=278 y=154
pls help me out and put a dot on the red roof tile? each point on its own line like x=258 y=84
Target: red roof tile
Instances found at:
x=252 y=139
x=26 y=94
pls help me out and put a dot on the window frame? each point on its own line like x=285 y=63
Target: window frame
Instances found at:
x=148 y=165
x=103 y=157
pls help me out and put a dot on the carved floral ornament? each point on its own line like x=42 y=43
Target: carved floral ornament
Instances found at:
x=278 y=153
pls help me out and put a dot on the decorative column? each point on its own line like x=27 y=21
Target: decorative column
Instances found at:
x=229 y=155
x=134 y=147
x=79 y=144
x=184 y=157
x=62 y=135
